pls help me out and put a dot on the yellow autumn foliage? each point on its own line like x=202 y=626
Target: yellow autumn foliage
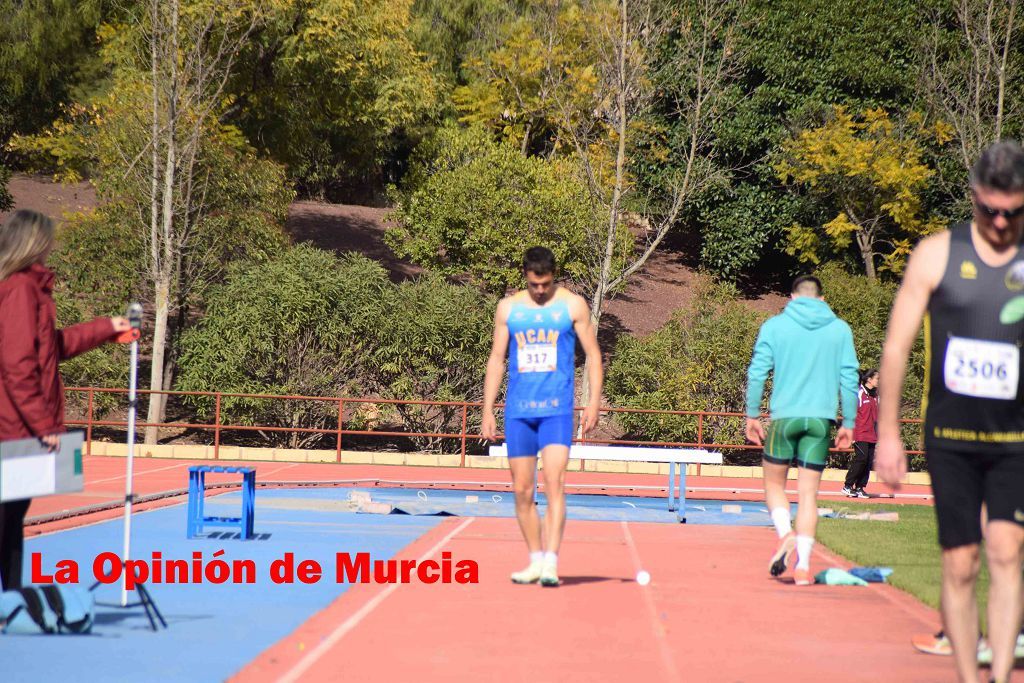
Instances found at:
x=872 y=174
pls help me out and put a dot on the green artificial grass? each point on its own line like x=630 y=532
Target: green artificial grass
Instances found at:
x=910 y=547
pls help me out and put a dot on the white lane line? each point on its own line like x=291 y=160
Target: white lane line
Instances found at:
x=338 y=633
x=659 y=632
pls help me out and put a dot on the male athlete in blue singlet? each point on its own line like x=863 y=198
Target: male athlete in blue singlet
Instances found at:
x=537 y=330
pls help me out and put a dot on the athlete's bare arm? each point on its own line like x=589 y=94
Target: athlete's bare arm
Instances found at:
x=585 y=332
x=924 y=273
x=495 y=369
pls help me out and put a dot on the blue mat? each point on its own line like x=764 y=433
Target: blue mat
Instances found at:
x=447 y=502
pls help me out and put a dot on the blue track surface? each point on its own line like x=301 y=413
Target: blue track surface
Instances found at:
x=214 y=630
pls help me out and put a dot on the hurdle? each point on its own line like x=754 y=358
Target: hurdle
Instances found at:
x=197 y=497
x=677 y=459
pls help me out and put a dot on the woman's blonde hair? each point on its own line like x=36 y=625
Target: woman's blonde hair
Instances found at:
x=25 y=237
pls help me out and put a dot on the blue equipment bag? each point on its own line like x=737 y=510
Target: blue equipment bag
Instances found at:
x=47 y=609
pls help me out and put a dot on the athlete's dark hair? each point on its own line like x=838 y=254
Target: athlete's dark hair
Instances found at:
x=1000 y=167
x=867 y=374
x=806 y=278
x=539 y=261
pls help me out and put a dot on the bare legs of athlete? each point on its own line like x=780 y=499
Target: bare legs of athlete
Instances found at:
x=960 y=566
x=524 y=471
x=808 y=481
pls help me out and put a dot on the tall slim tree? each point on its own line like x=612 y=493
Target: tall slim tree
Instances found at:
x=972 y=71
x=642 y=52
x=635 y=94
x=192 y=49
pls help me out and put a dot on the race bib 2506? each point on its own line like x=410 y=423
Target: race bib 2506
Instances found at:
x=537 y=358
x=983 y=369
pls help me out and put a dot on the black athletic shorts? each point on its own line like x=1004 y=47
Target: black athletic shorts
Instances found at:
x=961 y=482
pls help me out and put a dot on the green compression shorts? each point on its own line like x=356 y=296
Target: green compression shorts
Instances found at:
x=805 y=438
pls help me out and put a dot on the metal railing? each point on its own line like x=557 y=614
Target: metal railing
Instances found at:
x=90 y=421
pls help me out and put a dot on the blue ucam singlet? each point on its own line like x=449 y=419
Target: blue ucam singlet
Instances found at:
x=541 y=360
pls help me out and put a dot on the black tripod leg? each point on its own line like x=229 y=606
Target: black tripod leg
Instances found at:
x=150 y=605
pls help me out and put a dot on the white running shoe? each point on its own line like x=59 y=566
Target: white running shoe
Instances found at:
x=549 y=575
x=985 y=652
x=529 y=575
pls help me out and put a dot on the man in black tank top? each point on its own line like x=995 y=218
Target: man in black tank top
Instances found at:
x=967 y=285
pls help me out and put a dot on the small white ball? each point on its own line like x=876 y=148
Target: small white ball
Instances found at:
x=643 y=578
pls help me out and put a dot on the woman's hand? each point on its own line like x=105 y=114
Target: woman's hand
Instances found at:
x=51 y=441
x=120 y=324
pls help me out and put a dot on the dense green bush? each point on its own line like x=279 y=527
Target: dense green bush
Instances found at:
x=865 y=304
x=741 y=225
x=432 y=344
x=106 y=366
x=6 y=201
x=310 y=324
x=297 y=325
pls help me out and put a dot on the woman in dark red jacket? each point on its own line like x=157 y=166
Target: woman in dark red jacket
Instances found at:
x=865 y=436
x=31 y=346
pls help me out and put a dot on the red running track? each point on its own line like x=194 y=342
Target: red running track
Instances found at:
x=711 y=613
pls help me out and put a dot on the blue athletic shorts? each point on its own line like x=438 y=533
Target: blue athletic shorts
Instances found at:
x=528 y=436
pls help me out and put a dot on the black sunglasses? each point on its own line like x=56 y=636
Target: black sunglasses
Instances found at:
x=992 y=213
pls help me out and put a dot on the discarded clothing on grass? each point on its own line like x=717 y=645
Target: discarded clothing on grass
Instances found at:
x=838 y=577
x=872 y=574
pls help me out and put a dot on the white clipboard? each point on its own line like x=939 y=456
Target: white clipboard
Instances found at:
x=29 y=470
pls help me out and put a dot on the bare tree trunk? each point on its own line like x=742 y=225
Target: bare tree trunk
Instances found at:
x=710 y=53
x=966 y=84
x=161 y=303
x=1001 y=98
x=165 y=251
x=154 y=227
x=867 y=254
x=601 y=288
x=620 y=164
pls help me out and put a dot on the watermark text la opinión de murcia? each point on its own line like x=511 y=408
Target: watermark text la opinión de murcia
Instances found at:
x=108 y=568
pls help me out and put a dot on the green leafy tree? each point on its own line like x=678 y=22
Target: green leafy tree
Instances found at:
x=164 y=165
x=449 y=32
x=798 y=59
x=473 y=206
x=334 y=89
x=48 y=55
x=308 y=323
x=869 y=177
x=532 y=69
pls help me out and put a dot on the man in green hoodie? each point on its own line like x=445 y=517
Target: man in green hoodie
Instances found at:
x=810 y=353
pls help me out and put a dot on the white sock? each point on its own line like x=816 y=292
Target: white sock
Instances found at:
x=537 y=557
x=803 y=551
x=550 y=558
x=782 y=520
